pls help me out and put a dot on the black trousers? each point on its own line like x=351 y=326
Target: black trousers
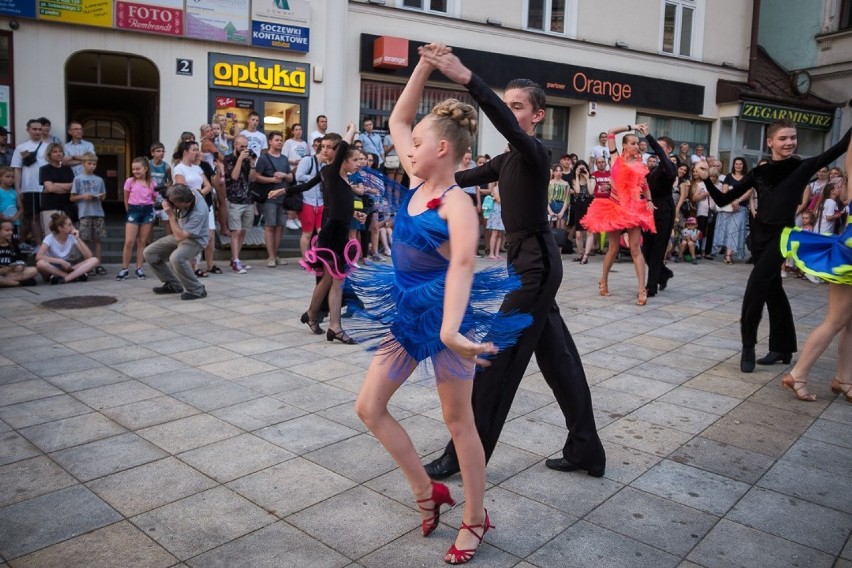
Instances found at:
x=654 y=245
x=538 y=263
x=765 y=287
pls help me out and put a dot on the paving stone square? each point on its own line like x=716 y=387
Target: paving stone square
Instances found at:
x=221 y=433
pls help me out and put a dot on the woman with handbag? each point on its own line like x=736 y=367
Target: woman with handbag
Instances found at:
x=628 y=207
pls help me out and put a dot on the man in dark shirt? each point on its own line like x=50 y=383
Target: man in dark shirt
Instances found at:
x=523 y=174
x=660 y=180
x=779 y=185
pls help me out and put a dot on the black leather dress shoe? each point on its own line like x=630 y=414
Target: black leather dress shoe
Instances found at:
x=774 y=357
x=444 y=466
x=561 y=464
x=747 y=360
x=665 y=276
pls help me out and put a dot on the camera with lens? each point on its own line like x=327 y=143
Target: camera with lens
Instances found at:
x=161 y=191
x=252 y=155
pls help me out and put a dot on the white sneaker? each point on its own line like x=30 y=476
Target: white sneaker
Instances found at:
x=270 y=263
x=813 y=279
x=280 y=261
x=783 y=273
x=292 y=224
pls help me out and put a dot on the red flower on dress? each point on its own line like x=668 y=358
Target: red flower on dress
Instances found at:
x=434 y=204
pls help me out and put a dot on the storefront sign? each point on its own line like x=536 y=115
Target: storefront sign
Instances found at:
x=762 y=112
x=18 y=8
x=570 y=81
x=259 y=75
x=225 y=102
x=87 y=12
x=154 y=16
x=282 y=24
x=218 y=20
x=5 y=111
x=390 y=53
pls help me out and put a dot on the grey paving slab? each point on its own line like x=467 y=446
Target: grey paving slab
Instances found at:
x=119 y=544
x=149 y=486
x=116 y=394
x=653 y=520
x=122 y=354
x=690 y=486
x=345 y=414
x=624 y=464
x=330 y=521
x=793 y=519
x=723 y=459
x=89 y=378
x=14 y=447
x=808 y=483
x=585 y=544
x=42 y=410
x=673 y=416
x=23 y=391
x=574 y=493
x=731 y=544
x=819 y=455
x=358 y=458
x=14 y=374
x=274 y=382
x=236 y=368
x=305 y=434
x=149 y=412
x=189 y=433
x=732 y=387
x=216 y=396
x=201 y=522
x=316 y=397
x=39 y=522
x=636 y=385
x=644 y=436
x=532 y=435
x=235 y=457
x=273 y=546
x=826 y=431
x=183 y=379
x=150 y=366
x=413 y=551
x=291 y=486
x=107 y=456
x=505 y=462
x=700 y=400
x=753 y=437
x=60 y=365
x=771 y=417
x=72 y=431
x=30 y=478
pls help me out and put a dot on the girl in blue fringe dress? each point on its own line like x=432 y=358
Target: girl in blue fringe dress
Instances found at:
x=435 y=308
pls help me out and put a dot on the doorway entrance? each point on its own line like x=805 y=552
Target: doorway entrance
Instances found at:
x=115 y=96
x=276 y=113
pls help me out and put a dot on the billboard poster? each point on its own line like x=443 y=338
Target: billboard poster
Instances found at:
x=150 y=16
x=218 y=20
x=281 y=24
x=18 y=8
x=86 y=12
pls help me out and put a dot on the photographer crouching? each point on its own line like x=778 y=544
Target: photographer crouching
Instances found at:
x=170 y=256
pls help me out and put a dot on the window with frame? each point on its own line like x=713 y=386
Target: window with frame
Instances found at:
x=845 y=20
x=446 y=7
x=693 y=132
x=681 y=25
x=551 y=16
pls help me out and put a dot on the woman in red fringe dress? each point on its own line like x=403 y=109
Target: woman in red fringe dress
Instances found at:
x=628 y=208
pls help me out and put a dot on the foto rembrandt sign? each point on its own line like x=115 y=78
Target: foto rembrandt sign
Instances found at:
x=258 y=75
x=761 y=112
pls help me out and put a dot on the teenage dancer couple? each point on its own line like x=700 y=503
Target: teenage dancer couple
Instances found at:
x=439 y=311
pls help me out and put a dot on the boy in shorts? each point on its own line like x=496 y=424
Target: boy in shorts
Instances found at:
x=88 y=191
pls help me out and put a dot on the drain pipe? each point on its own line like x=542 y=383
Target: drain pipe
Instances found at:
x=755 y=29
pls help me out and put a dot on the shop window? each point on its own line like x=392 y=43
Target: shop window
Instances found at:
x=445 y=7
x=553 y=131
x=5 y=57
x=682 y=24
x=378 y=99
x=693 y=132
x=551 y=16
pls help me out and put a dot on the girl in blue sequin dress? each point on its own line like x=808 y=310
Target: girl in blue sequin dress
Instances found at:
x=435 y=307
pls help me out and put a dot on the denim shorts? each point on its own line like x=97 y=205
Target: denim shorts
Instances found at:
x=140 y=214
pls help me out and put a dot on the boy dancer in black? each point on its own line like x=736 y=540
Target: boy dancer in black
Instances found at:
x=660 y=181
x=779 y=184
x=523 y=174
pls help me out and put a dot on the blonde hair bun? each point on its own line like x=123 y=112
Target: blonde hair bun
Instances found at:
x=463 y=114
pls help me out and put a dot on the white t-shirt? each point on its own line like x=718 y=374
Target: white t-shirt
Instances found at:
x=600 y=152
x=29 y=174
x=55 y=249
x=295 y=150
x=828 y=208
x=193 y=176
x=256 y=141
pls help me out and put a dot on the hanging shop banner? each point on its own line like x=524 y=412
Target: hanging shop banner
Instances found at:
x=152 y=16
x=18 y=8
x=764 y=112
x=282 y=24
x=86 y=12
x=258 y=75
x=218 y=20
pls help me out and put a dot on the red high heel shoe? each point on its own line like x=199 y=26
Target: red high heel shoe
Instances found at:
x=463 y=556
x=440 y=496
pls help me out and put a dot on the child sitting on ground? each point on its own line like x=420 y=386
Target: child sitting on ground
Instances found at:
x=689 y=236
x=13 y=269
x=55 y=259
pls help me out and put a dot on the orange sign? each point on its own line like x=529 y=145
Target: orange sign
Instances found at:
x=390 y=53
